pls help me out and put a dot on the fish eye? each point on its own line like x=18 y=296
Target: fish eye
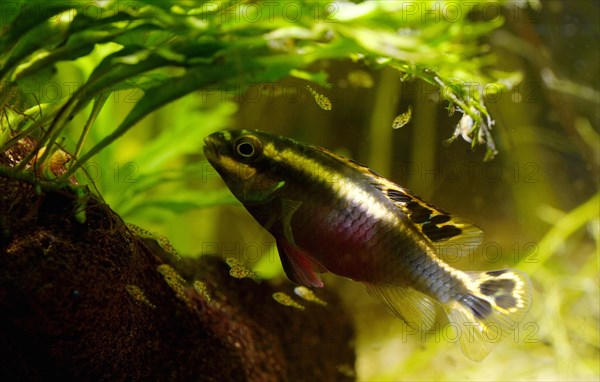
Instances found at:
x=247 y=147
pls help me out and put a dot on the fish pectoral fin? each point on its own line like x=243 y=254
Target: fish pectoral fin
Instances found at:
x=288 y=207
x=413 y=307
x=495 y=301
x=298 y=266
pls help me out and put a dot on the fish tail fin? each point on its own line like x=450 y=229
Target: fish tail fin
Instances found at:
x=495 y=302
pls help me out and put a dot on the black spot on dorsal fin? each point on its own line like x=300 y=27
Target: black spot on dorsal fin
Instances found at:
x=419 y=213
x=439 y=219
x=443 y=229
x=432 y=221
x=436 y=233
x=398 y=196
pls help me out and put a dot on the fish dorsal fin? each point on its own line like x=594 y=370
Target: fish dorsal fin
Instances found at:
x=452 y=236
x=298 y=266
x=412 y=306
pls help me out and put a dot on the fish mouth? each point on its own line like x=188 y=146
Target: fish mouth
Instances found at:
x=211 y=152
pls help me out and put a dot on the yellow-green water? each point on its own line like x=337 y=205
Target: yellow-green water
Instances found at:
x=537 y=200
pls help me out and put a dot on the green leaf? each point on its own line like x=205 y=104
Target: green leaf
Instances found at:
x=185 y=201
x=184 y=138
x=319 y=77
x=78 y=45
x=45 y=37
x=29 y=15
x=98 y=105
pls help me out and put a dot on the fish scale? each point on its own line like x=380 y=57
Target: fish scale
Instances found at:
x=328 y=213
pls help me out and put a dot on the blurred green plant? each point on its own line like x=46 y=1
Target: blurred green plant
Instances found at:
x=156 y=178
x=169 y=49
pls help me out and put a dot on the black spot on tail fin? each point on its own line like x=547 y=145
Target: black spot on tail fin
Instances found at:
x=480 y=308
x=496 y=273
x=494 y=302
x=497 y=286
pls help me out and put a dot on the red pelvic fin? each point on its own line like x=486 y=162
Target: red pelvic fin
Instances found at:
x=298 y=265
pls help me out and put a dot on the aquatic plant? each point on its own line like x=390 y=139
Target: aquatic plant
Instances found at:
x=157 y=52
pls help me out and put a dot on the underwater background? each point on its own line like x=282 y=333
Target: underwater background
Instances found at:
x=537 y=200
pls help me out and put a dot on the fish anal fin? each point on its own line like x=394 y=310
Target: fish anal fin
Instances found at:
x=298 y=266
x=495 y=301
x=416 y=309
x=472 y=339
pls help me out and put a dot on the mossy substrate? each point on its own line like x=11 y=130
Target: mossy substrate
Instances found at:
x=71 y=307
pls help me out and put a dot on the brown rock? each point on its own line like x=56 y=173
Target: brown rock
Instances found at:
x=88 y=301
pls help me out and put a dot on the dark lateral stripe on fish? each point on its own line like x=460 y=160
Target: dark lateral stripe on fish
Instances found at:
x=420 y=213
x=306 y=171
x=309 y=165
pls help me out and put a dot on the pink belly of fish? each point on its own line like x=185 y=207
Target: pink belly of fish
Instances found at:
x=347 y=242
